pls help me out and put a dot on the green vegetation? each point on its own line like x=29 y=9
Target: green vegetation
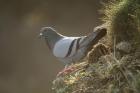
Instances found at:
x=118 y=71
x=123 y=19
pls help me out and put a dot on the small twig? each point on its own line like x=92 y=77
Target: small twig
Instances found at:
x=114 y=54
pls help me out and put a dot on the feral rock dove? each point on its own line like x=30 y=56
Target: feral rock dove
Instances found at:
x=71 y=49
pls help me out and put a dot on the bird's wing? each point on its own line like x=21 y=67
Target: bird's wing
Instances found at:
x=65 y=47
x=93 y=38
x=68 y=46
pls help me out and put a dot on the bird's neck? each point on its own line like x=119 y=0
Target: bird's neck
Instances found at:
x=51 y=41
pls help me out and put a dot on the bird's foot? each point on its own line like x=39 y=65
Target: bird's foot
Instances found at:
x=66 y=70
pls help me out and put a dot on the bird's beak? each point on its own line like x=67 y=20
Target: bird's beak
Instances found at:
x=40 y=35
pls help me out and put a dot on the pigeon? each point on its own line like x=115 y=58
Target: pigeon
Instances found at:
x=71 y=49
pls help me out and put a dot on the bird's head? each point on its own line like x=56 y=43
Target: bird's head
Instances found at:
x=50 y=35
x=47 y=32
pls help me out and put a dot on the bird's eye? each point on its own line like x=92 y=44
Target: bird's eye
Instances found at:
x=41 y=34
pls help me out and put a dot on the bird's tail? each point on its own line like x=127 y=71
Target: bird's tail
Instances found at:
x=94 y=37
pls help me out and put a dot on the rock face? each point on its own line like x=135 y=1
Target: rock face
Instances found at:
x=109 y=70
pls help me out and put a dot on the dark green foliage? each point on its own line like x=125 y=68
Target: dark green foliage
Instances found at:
x=123 y=19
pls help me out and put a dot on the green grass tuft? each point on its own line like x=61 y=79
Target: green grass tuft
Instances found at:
x=123 y=19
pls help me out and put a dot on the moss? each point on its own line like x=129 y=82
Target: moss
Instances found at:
x=107 y=75
x=123 y=20
x=105 y=71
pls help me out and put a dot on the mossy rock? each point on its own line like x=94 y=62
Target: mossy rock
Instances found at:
x=107 y=75
x=117 y=71
x=123 y=20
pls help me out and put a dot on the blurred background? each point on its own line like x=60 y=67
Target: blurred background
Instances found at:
x=26 y=64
